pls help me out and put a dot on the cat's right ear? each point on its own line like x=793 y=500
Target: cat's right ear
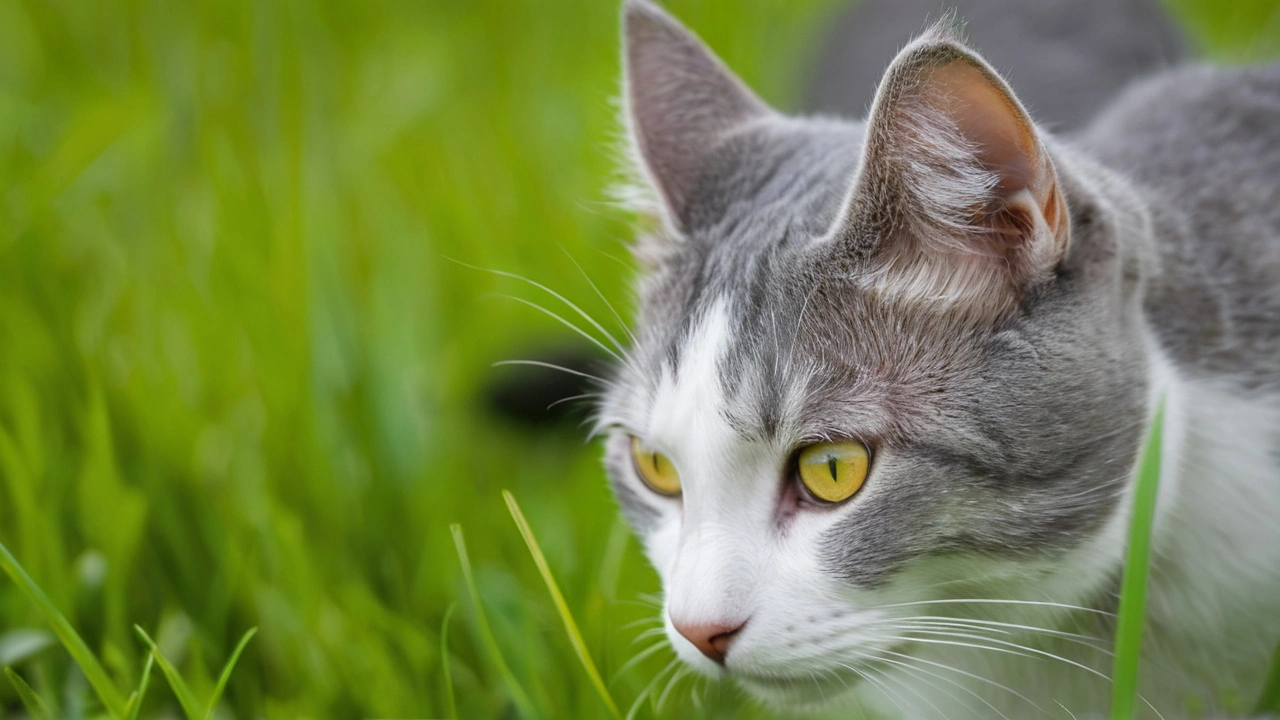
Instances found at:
x=681 y=102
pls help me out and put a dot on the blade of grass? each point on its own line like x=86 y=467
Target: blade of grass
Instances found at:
x=135 y=701
x=190 y=707
x=570 y=625
x=97 y=676
x=1269 y=700
x=226 y=672
x=523 y=704
x=30 y=700
x=444 y=661
x=1133 y=589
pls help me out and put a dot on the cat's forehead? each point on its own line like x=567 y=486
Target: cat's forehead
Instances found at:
x=796 y=349
x=802 y=347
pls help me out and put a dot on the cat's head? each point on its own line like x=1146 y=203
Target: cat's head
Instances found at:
x=876 y=364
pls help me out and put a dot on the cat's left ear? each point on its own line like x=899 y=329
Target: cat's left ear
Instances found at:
x=956 y=198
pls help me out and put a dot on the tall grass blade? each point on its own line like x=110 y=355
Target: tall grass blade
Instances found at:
x=30 y=700
x=1133 y=589
x=444 y=662
x=97 y=676
x=186 y=699
x=570 y=625
x=523 y=704
x=1269 y=700
x=135 y=700
x=226 y=672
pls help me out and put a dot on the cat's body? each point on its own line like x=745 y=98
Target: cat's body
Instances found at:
x=995 y=313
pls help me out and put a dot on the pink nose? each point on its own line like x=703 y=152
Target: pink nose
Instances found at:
x=711 y=639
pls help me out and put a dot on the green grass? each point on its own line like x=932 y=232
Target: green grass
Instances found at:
x=240 y=383
x=1133 y=587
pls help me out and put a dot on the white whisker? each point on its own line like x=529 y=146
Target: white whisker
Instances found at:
x=635 y=705
x=621 y=323
x=1006 y=643
x=887 y=677
x=552 y=293
x=637 y=659
x=889 y=695
x=572 y=398
x=995 y=601
x=585 y=335
x=912 y=668
x=679 y=675
x=943 y=621
x=552 y=366
x=966 y=673
x=653 y=632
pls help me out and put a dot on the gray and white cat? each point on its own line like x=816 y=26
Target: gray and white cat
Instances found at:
x=878 y=428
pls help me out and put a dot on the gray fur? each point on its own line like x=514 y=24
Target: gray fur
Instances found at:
x=1010 y=435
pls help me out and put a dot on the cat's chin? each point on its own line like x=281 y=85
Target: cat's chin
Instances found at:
x=808 y=694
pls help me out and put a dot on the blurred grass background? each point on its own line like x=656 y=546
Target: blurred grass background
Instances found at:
x=240 y=383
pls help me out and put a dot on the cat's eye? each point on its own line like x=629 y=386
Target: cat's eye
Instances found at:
x=655 y=468
x=833 y=471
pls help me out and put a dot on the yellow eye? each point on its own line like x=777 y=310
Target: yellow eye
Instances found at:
x=833 y=471
x=655 y=469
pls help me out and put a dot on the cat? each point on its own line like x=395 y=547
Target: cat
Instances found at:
x=1070 y=57
x=878 y=428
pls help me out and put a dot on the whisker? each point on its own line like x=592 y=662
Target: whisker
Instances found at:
x=650 y=633
x=995 y=601
x=641 y=623
x=887 y=677
x=636 y=660
x=1024 y=648
x=552 y=366
x=585 y=335
x=631 y=712
x=550 y=292
x=943 y=621
x=818 y=685
x=890 y=696
x=1153 y=707
x=956 y=643
x=966 y=673
x=571 y=398
x=679 y=675
x=622 y=323
x=908 y=666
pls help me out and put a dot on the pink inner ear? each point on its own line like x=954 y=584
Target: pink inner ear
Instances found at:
x=989 y=119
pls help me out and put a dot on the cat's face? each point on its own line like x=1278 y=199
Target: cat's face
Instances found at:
x=927 y=289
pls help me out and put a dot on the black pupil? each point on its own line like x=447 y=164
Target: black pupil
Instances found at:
x=831 y=465
x=656 y=467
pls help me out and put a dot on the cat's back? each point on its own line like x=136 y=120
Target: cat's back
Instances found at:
x=1193 y=130
x=1203 y=144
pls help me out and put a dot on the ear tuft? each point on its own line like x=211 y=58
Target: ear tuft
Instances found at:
x=681 y=102
x=956 y=196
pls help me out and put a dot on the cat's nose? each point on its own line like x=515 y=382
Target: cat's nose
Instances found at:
x=711 y=639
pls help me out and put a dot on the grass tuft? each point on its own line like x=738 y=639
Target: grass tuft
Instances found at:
x=139 y=695
x=521 y=699
x=32 y=702
x=190 y=707
x=226 y=672
x=570 y=625
x=111 y=698
x=1133 y=590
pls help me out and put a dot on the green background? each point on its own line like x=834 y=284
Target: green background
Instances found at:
x=241 y=379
